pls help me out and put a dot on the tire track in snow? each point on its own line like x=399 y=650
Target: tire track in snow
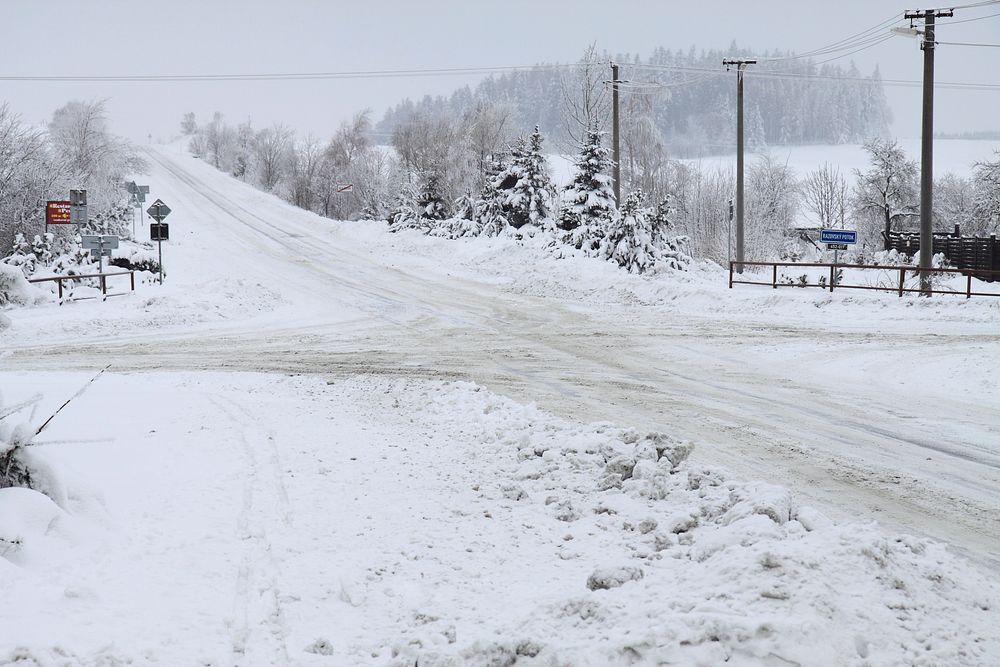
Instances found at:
x=258 y=627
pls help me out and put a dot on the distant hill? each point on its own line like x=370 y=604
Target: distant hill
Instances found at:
x=691 y=100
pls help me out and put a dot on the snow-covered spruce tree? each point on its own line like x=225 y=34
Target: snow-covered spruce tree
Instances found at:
x=589 y=200
x=464 y=223
x=490 y=215
x=671 y=246
x=41 y=248
x=628 y=239
x=404 y=215
x=430 y=202
x=21 y=256
x=529 y=193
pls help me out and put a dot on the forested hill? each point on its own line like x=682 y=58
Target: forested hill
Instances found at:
x=689 y=98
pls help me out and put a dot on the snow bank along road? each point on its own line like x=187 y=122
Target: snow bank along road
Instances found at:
x=841 y=411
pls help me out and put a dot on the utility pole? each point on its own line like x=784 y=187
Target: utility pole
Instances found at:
x=740 y=66
x=927 y=144
x=616 y=144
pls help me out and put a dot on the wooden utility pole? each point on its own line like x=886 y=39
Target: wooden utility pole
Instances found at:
x=616 y=144
x=740 y=66
x=927 y=145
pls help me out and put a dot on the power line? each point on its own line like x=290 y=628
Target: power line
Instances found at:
x=978 y=18
x=995 y=46
x=846 y=43
x=290 y=76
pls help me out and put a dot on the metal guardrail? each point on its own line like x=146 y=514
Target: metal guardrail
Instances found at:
x=103 y=280
x=900 y=289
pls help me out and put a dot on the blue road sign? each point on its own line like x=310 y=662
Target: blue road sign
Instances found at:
x=838 y=236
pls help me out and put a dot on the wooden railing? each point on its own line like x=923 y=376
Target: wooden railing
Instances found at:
x=832 y=282
x=103 y=277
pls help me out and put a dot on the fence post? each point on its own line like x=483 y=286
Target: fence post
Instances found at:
x=902 y=279
x=831 y=276
x=131 y=279
x=59 y=282
x=774 y=281
x=968 y=287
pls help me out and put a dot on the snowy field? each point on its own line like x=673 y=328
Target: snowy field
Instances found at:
x=319 y=443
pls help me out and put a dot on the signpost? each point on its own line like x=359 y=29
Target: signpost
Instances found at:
x=78 y=208
x=837 y=240
x=159 y=232
x=138 y=197
x=99 y=245
x=58 y=213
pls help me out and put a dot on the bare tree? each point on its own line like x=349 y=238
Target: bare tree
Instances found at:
x=586 y=102
x=644 y=151
x=488 y=130
x=825 y=194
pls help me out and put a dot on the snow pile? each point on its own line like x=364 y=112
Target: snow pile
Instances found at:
x=669 y=563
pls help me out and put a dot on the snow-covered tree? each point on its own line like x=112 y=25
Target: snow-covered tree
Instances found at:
x=954 y=204
x=886 y=194
x=628 y=239
x=189 y=126
x=771 y=204
x=589 y=200
x=430 y=199
x=986 y=183
x=491 y=217
x=272 y=147
x=529 y=193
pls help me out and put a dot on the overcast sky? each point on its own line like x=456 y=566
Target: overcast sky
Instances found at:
x=161 y=37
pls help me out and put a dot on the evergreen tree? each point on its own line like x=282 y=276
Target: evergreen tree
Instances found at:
x=628 y=239
x=529 y=190
x=430 y=202
x=490 y=215
x=589 y=200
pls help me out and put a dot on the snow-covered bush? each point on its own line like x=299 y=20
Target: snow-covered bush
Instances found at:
x=14 y=288
x=135 y=259
x=13 y=440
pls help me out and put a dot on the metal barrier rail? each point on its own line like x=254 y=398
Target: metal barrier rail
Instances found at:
x=103 y=279
x=901 y=289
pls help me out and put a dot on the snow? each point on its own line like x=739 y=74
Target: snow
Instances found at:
x=322 y=443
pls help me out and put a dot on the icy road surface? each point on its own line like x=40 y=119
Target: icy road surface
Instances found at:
x=865 y=406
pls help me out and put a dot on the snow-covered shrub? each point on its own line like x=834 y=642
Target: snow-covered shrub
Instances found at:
x=21 y=256
x=13 y=440
x=14 y=288
x=135 y=259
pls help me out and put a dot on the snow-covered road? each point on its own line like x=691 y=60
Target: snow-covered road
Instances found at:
x=837 y=407
x=379 y=510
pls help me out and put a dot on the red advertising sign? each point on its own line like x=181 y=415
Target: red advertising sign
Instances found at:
x=57 y=213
